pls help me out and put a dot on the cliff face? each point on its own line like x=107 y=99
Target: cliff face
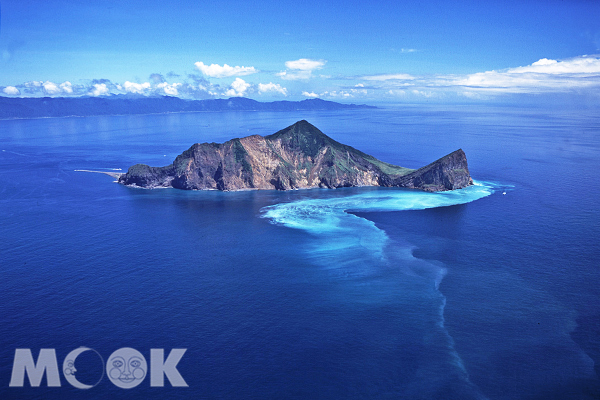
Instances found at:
x=299 y=156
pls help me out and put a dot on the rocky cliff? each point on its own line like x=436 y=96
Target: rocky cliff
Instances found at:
x=299 y=156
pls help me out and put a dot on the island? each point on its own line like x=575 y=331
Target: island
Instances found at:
x=297 y=157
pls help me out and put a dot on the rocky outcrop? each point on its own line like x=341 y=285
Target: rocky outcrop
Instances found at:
x=299 y=156
x=448 y=173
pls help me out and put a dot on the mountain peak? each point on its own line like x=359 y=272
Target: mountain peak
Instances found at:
x=299 y=156
x=303 y=136
x=300 y=128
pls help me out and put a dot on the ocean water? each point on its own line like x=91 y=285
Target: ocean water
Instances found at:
x=491 y=292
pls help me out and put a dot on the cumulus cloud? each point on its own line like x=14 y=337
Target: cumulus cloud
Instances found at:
x=310 y=94
x=218 y=71
x=272 y=87
x=66 y=87
x=170 y=90
x=199 y=89
x=48 y=88
x=99 y=89
x=139 y=88
x=300 y=69
x=33 y=84
x=238 y=88
x=51 y=88
x=11 y=90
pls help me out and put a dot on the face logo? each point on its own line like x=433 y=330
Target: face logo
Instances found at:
x=126 y=368
x=69 y=368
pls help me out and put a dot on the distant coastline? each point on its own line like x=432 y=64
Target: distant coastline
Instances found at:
x=53 y=107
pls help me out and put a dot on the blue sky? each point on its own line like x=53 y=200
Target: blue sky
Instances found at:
x=347 y=51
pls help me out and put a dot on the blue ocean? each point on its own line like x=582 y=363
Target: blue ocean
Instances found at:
x=490 y=292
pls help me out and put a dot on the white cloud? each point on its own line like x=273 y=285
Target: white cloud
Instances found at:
x=311 y=94
x=171 y=89
x=67 y=87
x=358 y=91
x=34 y=84
x=389 y=77
x=11 y=90
x=542 y=76
x=51 y=88
x=335 y=93
x=238 y=88
x=575 y=75
x=422 y=93
x=396 y=92
x=136 y=87
x=580 y=65
x=217 y=71
x=271 y=87
x=294 y=75
x=300 y=69
x=99 y=89
x=305 y=64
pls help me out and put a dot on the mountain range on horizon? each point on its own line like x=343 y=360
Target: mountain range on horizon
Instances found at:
x=44 y=107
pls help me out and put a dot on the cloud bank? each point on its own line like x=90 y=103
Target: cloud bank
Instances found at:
x=578 y=75
x=543 y=76
x=218 y=71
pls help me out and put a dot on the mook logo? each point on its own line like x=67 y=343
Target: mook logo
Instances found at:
x=126 y=368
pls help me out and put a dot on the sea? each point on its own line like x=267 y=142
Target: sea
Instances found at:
x=489 y=292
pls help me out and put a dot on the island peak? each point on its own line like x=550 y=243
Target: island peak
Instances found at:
x=299 y=156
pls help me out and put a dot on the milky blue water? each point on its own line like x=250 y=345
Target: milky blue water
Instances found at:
x=491 y=292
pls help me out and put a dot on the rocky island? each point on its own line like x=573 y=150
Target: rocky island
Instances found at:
x=299 y=156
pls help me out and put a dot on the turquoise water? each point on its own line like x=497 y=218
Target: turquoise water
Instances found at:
x=487 y=292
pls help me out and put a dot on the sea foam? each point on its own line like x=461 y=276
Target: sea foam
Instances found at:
x=355 y=246
x=329 y=215
x=355 y=250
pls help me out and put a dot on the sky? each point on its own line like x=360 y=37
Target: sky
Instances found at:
x=347 y=51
